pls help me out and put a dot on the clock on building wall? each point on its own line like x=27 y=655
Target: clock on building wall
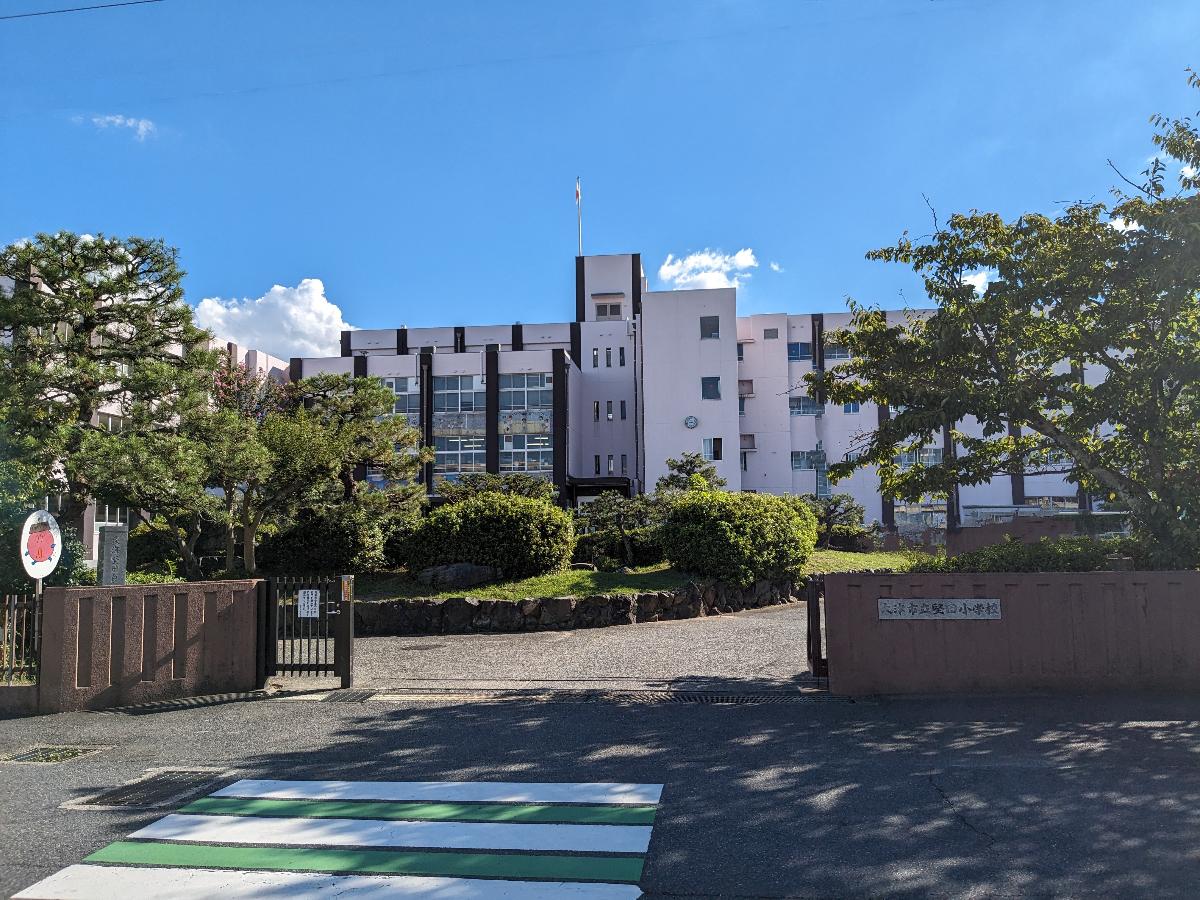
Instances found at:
x=691 y=422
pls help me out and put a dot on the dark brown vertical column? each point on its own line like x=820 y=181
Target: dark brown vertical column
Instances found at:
x=637 y=284
x=560 y=369
x=580 y=308
x=345 y=343
x=818 y=349
x=518 y=336
x=491 y=444
x=577 y=345
x=295 y=369
x=889 y=503
x=401 y=341
x=948 y=453
x=1017 y=475
x=460 y=339
x=426 y=365
x=360 y=367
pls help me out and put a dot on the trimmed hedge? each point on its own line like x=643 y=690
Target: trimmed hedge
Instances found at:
x=347 y=540
x=738 y=538
x=1064 y=554
x=519 y=536
x=646 y=544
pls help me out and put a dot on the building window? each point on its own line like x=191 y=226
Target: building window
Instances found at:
x=770 y=334
x=608 y=357
x=620 y=356
x=109 y=422
x=806 y=459
x=805 y=406
x=746 y=387
x=608 y=410
x=597 y=459
x=741 y=406
x=836 y=351
x=611 y=470
x=527 y=390
x=595 y=357
x=851 y=408
x=596 y=411
x=622 y=410
x=712 y=449
x=458 y=393
x=745 y=460
x=112 y=514
x=608 y=312
x=408 y=397
x=798 y=351
x=926 y=456
x=710 y=328
x=454 y=455
x=532 y=454
x=710 y=388
x=741 y=352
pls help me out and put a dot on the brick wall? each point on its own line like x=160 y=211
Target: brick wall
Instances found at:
x=1085 y=631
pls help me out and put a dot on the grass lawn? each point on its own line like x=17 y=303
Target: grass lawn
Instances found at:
x=577 y=583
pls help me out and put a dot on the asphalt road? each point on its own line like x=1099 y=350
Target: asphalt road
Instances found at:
x=759 y=649
x=944 y=798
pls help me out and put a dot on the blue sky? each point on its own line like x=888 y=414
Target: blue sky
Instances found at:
x=388 y=163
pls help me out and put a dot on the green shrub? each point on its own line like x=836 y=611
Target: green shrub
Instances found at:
x=645 y=542
x=738 y=538
x=346 y=540
x=519 y=536
x=1064 y=554
x=151 y=551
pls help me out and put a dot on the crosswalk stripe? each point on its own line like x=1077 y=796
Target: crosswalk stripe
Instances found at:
x=392 y=861
x=85 y=882
x=377 y=833
x=540 y=813
x=447 y=791
x=372 y=839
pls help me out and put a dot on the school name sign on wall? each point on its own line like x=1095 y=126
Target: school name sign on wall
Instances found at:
x=892 y=608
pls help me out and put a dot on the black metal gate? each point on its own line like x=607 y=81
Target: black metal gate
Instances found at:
x=814 y=596
x=20 y=638
x=307 y=627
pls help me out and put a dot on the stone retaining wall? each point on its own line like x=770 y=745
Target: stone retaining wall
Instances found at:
x=465 y=615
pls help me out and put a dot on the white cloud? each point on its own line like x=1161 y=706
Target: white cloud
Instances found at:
x=776 y=267
x=708 y=269
x=979 y=280
x=1188 y=171
x=285 y=321
x=142 y=128
x=1122 y=225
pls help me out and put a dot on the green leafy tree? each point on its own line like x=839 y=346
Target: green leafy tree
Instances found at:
x=621 y=516
x=518 y=483
x=94 y=324
x=837 y=511
x=680 y=474
x=1113 y=292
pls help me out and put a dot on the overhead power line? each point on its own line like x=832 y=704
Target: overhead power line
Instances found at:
x=74 y=9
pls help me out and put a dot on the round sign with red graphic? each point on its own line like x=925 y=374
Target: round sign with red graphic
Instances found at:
x=41 y=544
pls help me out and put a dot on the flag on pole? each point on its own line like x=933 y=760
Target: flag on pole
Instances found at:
x=578 y=195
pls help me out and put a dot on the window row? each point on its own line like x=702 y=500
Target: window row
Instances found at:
x=608 y=410
x=801 y=351
x=610 y=468
x=608 y=357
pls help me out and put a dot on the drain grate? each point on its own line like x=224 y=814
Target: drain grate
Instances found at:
x=717 y=698
x=714 y=698
x=347 y=695
x=156 y=789
x=48 y=756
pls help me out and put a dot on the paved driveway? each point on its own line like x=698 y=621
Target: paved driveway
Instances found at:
x=757 y=649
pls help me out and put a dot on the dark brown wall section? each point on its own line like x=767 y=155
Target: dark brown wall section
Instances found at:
x=402 y=342
x=295 y=368
x=637 y=284
x=360 y=367
x=576 y=345
x=460 y=339
x=491 y=444
x=1018 y=472
x=426 y=366
x=580 y=308
x=561 y=369
x=518 y=336
x=345 y=343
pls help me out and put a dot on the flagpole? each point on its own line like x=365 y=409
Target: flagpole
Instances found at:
x=579 y=213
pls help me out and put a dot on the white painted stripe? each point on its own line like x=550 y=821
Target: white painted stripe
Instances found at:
x=447 y=791
x=86 y=882
x=263 y=830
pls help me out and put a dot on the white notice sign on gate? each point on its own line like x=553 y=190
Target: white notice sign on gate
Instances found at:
x=308 y=603
x=923 y=608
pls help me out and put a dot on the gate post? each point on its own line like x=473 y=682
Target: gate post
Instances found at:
x=817 y=663
x=343 y=645
x=260 y=651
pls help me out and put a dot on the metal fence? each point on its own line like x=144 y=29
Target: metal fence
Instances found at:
x=813 y=592
x=310 y=626
x=21 y=634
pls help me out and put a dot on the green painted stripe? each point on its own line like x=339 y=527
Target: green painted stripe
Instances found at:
x=622 y=869
x=544 y=814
